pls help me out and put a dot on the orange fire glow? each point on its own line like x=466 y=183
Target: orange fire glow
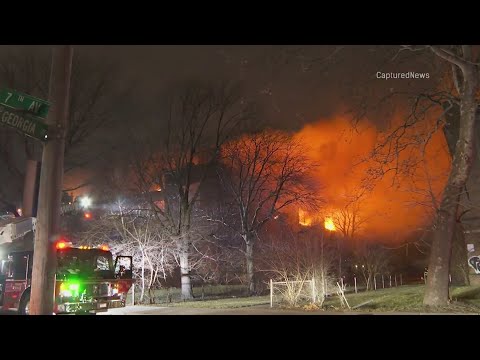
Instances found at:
x=304 y=219
x=398 y=204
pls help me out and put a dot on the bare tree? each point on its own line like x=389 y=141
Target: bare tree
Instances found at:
x=372 y=261
x=465 y=76
x=93 y=105
x=350 y=219
x=265 y=173
x=177 y=158
x=131 y=231
x=294 y=263
x=395 y=151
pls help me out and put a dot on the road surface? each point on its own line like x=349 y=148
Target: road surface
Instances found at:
x=251 y=310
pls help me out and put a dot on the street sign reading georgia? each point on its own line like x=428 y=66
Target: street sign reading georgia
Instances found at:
x=20 y=101
x=28 y=125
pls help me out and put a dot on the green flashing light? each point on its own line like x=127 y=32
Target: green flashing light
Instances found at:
x=69 y=290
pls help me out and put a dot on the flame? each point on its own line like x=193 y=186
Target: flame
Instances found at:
x=303 y=218
x=387 y=211
x=329 y=225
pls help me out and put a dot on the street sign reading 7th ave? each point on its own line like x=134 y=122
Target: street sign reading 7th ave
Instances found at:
x=26 y=124
x=21 y=101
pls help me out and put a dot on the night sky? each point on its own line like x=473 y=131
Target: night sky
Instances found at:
x=292 y=85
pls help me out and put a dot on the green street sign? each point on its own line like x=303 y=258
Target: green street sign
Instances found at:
x=26 y=124
x=20 y=101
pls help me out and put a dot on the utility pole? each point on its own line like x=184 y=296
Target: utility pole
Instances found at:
x=51 y=184
x=29 y=187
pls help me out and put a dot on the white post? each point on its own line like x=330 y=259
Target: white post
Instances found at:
x=355 y=282
x=383 y=282
x=449 y=277
x=313 y=290
x=395 y=280
x=375 y=282
x=133 y=294
x=341 y=281
x=271 y=293
x=390 y=280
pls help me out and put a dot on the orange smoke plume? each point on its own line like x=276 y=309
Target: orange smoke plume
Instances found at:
x=397 y=204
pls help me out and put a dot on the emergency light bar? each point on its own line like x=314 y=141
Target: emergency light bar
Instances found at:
x=62 y=244
x=102 y=247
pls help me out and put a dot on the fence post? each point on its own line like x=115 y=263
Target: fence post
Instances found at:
x=313 y=290
x=449 y=278
x=375 y=282
x=271 y=293
x=401 y=281
x=355 y=282
x=383 y=282
x=133 y=294
x=395 y=280
x=390 y=280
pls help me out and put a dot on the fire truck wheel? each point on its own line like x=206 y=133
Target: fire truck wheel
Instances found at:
x=24 y=308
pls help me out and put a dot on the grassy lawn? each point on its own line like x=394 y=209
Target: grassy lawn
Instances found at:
x=408 y=299
x=225 y=303
x=208 y=292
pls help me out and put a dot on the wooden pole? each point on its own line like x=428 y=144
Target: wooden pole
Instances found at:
x=29 y=193
x=395 y=280
x=355 y=283
x=383 y=282
x=375 y=282
x=51 y=184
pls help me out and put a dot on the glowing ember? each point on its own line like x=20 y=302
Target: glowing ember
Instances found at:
x=329 y=225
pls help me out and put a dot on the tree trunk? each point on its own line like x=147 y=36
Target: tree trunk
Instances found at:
x=151 y=291
x=142 y=293
x=250 y=266
x=184 y=250
x=437 y=289
x=459 y=265
x=187 y=293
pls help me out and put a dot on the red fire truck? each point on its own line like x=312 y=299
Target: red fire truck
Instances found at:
x=88 y=280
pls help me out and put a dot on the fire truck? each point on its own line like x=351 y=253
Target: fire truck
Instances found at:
x=88 y=280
